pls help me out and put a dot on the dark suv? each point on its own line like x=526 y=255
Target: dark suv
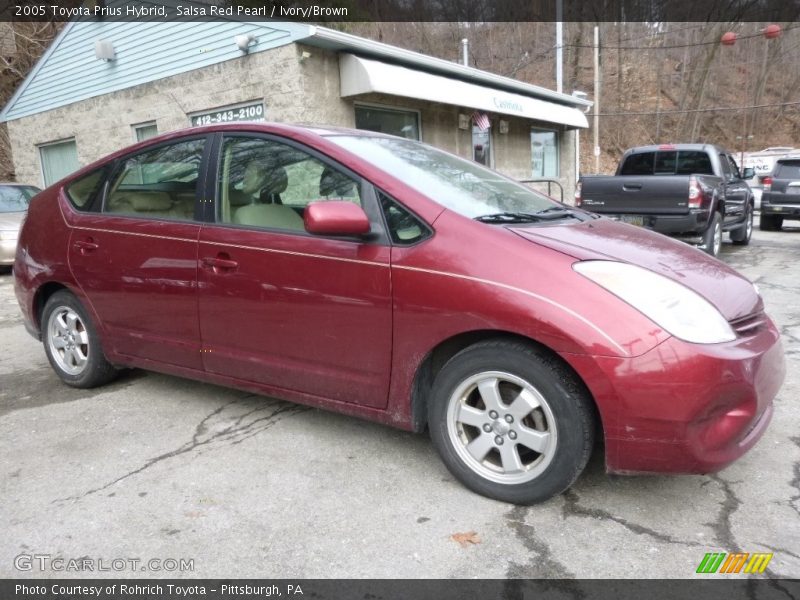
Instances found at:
x=781 y=197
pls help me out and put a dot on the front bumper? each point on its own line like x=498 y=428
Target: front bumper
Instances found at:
x=685 y=408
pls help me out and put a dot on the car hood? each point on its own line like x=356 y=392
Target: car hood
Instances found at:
x=604 y=239
x=11 y=221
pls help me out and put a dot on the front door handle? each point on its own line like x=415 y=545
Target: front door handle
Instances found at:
x=220 y=263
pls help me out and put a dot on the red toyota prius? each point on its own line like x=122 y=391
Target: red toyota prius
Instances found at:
x=386 y=279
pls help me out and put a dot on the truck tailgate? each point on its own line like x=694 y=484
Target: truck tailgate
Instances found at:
x=633 y=194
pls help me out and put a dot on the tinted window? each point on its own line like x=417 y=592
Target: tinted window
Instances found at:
x=638 y=164
x=15 y=198
x=788 y=169
x=670 y=162
x=159 y=183
x=693 y=162
x=82 y=191
x=404 y=227
x=268 y=184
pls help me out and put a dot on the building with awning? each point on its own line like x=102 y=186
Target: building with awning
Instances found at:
x=104 y=85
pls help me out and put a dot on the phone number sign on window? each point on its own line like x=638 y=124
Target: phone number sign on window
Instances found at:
x=250 y=112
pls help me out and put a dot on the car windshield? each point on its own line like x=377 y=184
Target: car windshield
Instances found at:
x=15 y=198
x=458 y=184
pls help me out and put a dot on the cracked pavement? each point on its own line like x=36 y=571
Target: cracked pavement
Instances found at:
x=154 y=466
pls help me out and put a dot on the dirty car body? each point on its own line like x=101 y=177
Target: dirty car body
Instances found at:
x=385 y=279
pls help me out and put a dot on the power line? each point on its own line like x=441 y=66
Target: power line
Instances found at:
x=695 y=110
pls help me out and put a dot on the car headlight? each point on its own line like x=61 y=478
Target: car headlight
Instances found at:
x=8 y=235
x=678 y=310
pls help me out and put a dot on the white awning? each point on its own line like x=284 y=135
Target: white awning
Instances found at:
x=363 y=76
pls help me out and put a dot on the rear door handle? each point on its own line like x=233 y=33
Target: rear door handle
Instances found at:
x=85 y=246
x=631 y=186
x=220 y=263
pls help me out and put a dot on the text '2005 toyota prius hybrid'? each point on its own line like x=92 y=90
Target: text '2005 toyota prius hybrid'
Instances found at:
x=383 y=278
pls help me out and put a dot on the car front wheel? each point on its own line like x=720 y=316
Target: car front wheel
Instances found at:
x=511 y=422
x=72 y=344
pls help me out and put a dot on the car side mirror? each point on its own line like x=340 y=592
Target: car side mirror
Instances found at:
x=749 y=173
x=335 y=217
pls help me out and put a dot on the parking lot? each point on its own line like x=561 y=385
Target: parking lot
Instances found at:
x=157 y=467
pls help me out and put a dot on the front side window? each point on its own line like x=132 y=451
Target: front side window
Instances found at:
x=15 y=198
x=405 y=229
x=402 y=123
x=458 y=184
x=264 y=183
x=544 y=153
x=159 y=183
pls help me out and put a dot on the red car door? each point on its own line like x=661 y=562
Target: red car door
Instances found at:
x=279 y=306
x=136 y=259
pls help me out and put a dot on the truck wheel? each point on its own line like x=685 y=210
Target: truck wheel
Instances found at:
x=770 y=223
x=511 y=422
x=741 y=236
x=712 y=238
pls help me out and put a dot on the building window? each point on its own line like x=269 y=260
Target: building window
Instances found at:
x=145 y=131
x=402 y=123
x=544 y=153
x=482 y=145
x=58 y=160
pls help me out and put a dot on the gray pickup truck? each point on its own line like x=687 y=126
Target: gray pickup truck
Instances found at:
x=690 y=191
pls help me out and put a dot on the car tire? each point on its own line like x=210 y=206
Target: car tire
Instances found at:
x=712 y=238
x=71 y=343
x=770 y=223
x=741 y=236
x=495 y=397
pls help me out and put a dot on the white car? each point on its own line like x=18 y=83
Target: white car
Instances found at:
x=14 y=200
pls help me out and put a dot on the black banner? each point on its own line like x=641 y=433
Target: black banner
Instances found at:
x=702 y=588
x=322 y=11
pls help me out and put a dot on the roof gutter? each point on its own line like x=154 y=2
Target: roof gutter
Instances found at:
x=441 y=66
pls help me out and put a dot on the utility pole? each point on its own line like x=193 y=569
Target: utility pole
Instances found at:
x=465 y=52
x=559 y=47
x=596 y=99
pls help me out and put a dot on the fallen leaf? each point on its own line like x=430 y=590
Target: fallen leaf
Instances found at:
x=465 y=539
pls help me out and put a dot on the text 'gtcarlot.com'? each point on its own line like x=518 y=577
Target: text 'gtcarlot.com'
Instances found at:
x=48 y=562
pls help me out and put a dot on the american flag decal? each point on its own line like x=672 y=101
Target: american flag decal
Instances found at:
x=481 y=120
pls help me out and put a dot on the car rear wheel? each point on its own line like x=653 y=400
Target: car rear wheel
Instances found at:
x=742 y=235
x=712 y=238
x=511 y=422
x=72 y=344
x=770 y=223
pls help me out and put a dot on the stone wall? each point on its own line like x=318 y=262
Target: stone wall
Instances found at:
x=298 y=84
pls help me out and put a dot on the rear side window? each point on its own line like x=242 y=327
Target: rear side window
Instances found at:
x=788 y=169
x=83 y=191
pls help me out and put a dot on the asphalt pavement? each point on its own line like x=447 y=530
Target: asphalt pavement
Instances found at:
x=159 y=468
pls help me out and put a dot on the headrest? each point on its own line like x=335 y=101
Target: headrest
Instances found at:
x=333 y=183
x=276 y=181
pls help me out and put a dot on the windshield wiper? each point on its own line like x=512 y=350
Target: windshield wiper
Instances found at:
x=510 y=217
x=548 y=214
